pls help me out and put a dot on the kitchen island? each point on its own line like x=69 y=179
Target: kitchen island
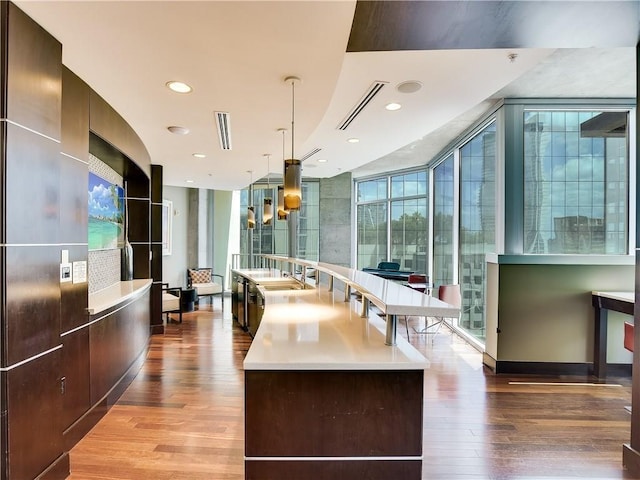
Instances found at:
x=325 y=396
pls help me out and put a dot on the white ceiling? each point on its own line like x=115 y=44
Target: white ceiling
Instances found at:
x=235 y=55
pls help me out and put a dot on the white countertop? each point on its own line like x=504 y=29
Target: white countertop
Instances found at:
x=313 y=330
x=115 y=294
x=623 y=296
x=391 y=297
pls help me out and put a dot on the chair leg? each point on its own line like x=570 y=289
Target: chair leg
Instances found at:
x=406 y=325
x=180 y=315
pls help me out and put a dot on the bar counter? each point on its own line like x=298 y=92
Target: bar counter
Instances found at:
x=116 y=294
x=325 y=397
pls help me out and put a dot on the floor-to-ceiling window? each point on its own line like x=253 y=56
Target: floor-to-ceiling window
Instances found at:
x=576 y=182
x=372 y=222
x=443 y=213
x=477 y=224
x=392 y=215
x=409 y=221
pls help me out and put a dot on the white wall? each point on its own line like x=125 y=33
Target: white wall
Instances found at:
x=174 y=266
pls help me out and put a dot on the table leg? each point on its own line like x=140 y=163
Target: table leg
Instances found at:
x=600 y=342
x=392 y=324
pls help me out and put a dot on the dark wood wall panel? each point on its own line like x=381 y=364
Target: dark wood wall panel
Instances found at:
x=74 y=179
x=34 y=75
x=115 y=342
x=34 y=402
x=75 y=370
x=141 y=263
x=139 y=211
x=157 y=325
x=75 y=115
x=111 y=127
x=332 y=470
x=137 y=180
x=74 y=296
x=32 y=321
x=156 y=183
x=317 y=413
x=32 y=188
x=156 y=262
x=156 y=222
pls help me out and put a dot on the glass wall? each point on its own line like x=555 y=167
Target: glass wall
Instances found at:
x=576 y=182
x=392 y=219
x=477 y=225
x=371 y=214
x=272 y=239
x=574 y=187
x=443 y=212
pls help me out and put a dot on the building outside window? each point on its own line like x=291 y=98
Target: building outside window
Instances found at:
x=392 y=216
x=477 y=225
x=444 y=205
x=576 y=183
x=272 y=239
x=575 y=191
x=371 y=213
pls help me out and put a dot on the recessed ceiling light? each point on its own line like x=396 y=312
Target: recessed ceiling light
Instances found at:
x=199 y=155
x=179 y=87
x=178 y=130
x=322 y=160
x=410 y=86
x=393 y=106
x=353 y=140
x=189 y=181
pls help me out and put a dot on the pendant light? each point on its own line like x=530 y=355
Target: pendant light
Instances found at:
x=251 y=214
x=282 y=213
x=267 y=210
x=292 y=166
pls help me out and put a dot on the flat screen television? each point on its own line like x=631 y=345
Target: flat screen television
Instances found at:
x=106 y=214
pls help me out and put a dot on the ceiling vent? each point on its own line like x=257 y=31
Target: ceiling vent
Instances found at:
x=223 y=122
x=310 y=154
x=373 y=90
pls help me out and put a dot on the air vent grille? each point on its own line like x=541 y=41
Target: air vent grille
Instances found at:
x=310 y=154
x=223 y=122
x=373 y=90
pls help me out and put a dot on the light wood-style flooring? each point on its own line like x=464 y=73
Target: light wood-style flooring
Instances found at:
x=182 y=417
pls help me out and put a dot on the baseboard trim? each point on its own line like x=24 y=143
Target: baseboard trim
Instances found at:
x=556 y=368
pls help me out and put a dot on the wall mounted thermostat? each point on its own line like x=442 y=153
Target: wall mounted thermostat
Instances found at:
x=66 y=274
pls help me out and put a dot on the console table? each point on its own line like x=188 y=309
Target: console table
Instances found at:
x=602 y=302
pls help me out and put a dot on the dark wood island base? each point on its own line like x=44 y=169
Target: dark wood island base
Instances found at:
x=333 y=424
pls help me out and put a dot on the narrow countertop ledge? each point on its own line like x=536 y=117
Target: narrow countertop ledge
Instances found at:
x=116 y=294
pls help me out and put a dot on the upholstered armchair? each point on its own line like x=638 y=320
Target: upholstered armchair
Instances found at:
x=206 y=283
x=171 y=301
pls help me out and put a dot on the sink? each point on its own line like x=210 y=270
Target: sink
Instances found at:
x=289 y=285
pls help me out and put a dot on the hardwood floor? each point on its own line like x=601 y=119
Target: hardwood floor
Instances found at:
x=182 y=417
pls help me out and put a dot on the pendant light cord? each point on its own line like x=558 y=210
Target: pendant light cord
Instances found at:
x=293 y=112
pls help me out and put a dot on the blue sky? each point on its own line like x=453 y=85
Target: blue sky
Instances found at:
x=101 y=201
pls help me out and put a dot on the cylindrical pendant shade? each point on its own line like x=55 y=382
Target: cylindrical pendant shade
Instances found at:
x=282 y=213
x=267 y=212
x=251 y=217
x=292 y=184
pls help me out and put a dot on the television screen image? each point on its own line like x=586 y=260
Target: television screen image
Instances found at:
x=106 y=214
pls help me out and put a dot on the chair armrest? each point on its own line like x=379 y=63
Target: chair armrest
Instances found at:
x=220 y=276
x=176 y=291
